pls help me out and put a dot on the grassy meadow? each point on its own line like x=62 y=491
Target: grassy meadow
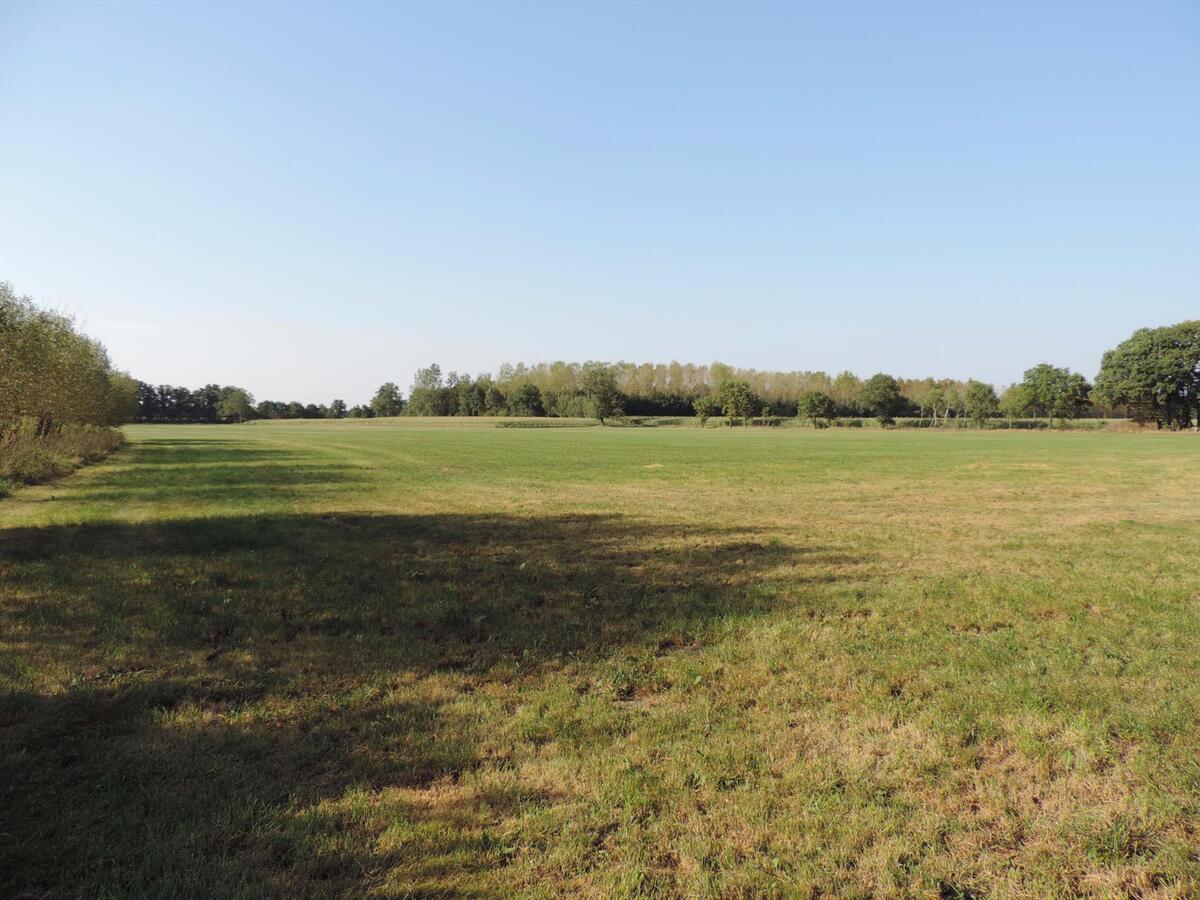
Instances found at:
x=389 y=659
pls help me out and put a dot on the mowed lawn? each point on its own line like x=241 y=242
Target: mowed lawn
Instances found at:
x=399 y=660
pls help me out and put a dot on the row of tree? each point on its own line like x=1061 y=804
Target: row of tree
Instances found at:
x=600 y=390
x=1045 y=391
x=227 y=403
x=52 y=375
x=1154 y=376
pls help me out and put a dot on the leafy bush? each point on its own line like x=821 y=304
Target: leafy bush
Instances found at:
x=29 y=457
x=547 y=423
x=656 y=421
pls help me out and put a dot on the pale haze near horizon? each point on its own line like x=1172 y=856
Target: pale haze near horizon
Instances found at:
x=309 y=200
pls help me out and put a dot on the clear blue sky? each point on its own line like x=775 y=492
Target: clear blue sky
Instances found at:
x=308 y=200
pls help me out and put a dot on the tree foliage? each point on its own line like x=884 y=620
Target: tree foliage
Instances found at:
x=816 y=407
x=880 y=395
x=235 y=405
x=1055 y=392
x=1155 y=374
x=599 y=386
x=527 y=401
x=51 y=374
x=387 y=400
x=705 y=408
x=736 y=399
x=980 y=402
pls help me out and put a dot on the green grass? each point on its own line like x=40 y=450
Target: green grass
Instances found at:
x=399 y=660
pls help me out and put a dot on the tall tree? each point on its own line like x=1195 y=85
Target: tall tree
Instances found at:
x=494 y=401
x=980 y=402
x=845 y=391
x=234 y=405
x=1053 y=391
x=816 y=406
x=880 y=395
x=1014 y=403
x=705 y=408
x=736 y=399
x=50 y=373
x=387 y=400
x=599 y=385
x=431 y=395
x=1156 y=375
x=527 y=401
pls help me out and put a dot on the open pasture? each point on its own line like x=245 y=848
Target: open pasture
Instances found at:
x=344 y=659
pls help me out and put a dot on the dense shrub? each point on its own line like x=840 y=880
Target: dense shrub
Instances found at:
x=659 y=421
x=27 y=457
x=58 y=394
x=547 y=423
x=52 y=374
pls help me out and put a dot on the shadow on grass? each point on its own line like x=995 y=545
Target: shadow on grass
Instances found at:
x=165 y=470
x=232 y=679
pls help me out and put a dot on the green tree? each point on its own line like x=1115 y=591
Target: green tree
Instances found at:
x=816 y=407
x=980 y=402
x=1052 y=392
x=736 y=400
x=527 y=401
x=50 y=373
x=471 y=396
x=599 y=384
x=929 y=399
x=705 y=408
x=845 y=391
x=387 y=400
x=880 y=395
x=494 y=402
x=424 y=399
x=122 y=399
x=1155 y=374
x=235 y=405
x=337 y=409
x=433 y=395
x=1015 y=404
x=719 y=373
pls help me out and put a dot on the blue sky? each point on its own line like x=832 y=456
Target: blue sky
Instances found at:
x=308 y=200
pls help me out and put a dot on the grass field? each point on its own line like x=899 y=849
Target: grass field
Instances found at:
x=310 y=660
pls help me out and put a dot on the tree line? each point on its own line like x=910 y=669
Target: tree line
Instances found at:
x=601 y=390
x=58 y=394
x=1152 y=377
x=52 y=375
x=215 y=403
